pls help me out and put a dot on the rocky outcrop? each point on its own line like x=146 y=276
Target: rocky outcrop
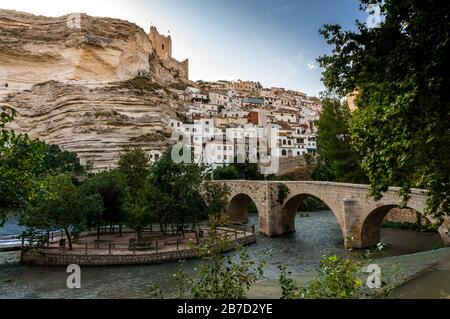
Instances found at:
x=73 y=48
x=96 y=123
x=90 y=85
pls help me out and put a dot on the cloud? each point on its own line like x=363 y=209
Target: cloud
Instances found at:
x=312 y=66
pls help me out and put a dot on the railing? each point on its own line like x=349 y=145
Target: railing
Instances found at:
x=146 y=245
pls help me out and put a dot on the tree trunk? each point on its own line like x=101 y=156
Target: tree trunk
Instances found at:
x=98 y=233
x=68 y=238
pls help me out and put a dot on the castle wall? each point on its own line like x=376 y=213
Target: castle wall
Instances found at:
x=162 y=45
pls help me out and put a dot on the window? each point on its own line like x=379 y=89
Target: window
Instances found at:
x=283 y=152
x=157 y=156
x=219 y=148
x=162 y=47
x=171 y=124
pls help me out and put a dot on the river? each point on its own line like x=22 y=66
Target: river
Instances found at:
x=316 y=236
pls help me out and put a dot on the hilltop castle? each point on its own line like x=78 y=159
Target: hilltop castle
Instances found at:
x=163 y=48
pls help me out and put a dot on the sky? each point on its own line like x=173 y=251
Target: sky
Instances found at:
x=274 y=42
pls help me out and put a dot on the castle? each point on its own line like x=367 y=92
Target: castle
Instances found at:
x=162 y=45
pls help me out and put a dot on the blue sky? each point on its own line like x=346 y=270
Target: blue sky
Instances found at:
x=275 y=42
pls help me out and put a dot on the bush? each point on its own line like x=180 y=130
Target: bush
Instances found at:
x=337 y=279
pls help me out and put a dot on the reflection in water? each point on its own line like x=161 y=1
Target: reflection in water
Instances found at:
x=316 y=236
x=11 y=227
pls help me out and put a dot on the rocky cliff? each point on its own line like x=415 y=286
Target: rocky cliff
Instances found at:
x=90 y=85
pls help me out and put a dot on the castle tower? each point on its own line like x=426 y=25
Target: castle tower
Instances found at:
x=160 y=43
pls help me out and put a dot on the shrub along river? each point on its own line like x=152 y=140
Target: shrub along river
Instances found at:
x=316 y=236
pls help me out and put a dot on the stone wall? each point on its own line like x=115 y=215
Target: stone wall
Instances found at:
x=290 y=164
x=397 y=215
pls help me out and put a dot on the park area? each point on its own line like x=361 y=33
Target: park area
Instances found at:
x=125 y=247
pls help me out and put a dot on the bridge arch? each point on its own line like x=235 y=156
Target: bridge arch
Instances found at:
x=237 y=209
x=371 y=225
x=292 y=205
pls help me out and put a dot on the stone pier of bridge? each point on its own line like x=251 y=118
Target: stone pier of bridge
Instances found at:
x=357 y=213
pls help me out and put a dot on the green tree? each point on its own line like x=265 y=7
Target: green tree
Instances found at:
x=138 y=214
x=22 y=161
x=93 y=208
x=215 y=196
x=134 y=164
x=58 y=203
x=112 y=187
x=173 y=191
x=337 y=160
x=63 y=161
x=226 y=173
x=236 y=171
x=400 y=71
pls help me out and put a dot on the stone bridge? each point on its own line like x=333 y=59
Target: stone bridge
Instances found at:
x=358 y=214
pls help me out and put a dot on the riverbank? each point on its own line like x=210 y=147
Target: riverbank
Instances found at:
x=398 y=273
x=9 y=257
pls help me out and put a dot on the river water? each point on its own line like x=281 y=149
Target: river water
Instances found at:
x=316 y=236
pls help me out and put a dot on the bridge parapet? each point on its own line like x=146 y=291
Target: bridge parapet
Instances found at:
x=357 y=213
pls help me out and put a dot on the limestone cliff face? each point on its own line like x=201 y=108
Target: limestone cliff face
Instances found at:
x=96 y=123
x=74 y=82
x=72 y=48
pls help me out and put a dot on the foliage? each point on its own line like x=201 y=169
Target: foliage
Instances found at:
x=312 y=204
x=57 y=203
x=337 y=160
x=399 y=71
x=283 y=192
x=174 y=191
x=337 y=279
x=429 y=228
x=113 y=189
x=134 y=164
x=215 y=196
x=22 y=161
x=219 y=276
x=308 y=158
x=138 y=214
x=226 y=173
x=238 y=171
x=61 y=161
